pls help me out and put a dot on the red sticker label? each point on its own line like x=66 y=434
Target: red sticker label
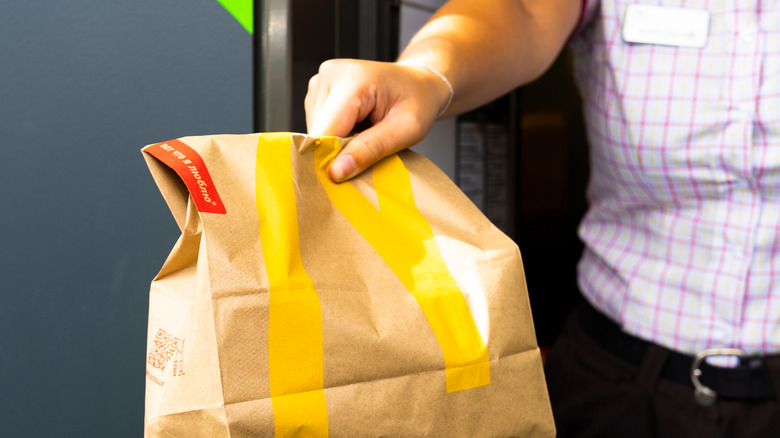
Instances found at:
x=192 y=170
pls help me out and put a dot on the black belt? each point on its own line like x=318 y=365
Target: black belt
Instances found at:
x=750 y=379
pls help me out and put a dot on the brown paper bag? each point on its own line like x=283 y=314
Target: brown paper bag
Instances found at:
x=294 y=306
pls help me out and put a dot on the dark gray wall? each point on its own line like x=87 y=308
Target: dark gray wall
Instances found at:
x=84 y=84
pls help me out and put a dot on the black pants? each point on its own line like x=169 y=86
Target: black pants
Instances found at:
x=595 y=394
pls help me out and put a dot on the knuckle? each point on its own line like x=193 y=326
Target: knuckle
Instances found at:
x=355 y=101
x=375 y=149
x=332 y=65
x=314 y=82
x=358 y=71
x=325 y=66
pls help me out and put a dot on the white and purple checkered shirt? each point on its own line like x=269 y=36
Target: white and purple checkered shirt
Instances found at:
x=683 y=231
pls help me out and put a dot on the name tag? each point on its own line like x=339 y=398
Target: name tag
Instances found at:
x=666 y=26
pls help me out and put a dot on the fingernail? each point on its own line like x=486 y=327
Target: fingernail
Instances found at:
x=343 y=167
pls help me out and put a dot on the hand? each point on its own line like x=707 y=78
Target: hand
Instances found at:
x=401 y=103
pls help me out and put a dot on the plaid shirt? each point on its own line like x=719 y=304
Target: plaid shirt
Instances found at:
x=683 y=230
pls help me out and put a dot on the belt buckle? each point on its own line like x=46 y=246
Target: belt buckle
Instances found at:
x=706 y=396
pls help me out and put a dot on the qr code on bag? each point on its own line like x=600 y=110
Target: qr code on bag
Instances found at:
x=163 y=348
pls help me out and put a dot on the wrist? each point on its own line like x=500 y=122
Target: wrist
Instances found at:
x=441 y=78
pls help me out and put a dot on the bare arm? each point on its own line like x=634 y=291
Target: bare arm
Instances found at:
x=484 y=48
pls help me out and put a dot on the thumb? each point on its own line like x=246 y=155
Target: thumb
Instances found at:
x=390 y=135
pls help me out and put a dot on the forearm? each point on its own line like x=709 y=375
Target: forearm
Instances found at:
x=486 y=48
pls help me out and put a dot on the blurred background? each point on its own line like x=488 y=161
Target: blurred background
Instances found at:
x=84 y=84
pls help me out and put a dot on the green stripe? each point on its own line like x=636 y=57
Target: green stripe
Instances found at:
x=241 y=10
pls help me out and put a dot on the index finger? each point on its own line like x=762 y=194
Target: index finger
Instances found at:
x=344 y=107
